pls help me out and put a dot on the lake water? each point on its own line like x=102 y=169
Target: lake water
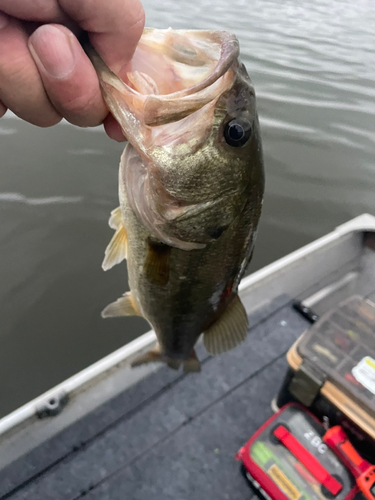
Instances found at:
x=313 y=66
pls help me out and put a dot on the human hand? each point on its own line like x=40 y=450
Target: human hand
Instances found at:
x=44 y=73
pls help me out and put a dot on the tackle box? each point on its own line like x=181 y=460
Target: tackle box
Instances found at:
x=286 y=459
x=332 y=371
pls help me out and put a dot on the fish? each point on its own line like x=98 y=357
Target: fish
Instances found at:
x=191 y=184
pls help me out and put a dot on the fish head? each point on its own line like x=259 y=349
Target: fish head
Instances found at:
x=187 y=107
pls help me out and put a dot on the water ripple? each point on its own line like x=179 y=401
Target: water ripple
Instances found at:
x=7 y=131
x=86 y=152
x=50 y=200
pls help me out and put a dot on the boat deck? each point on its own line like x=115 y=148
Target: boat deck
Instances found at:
x=172 y=435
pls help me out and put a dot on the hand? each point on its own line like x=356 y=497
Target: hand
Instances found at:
x=45 y=74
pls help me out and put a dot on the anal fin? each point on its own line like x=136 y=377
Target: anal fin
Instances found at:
x=124 y=306
x=229 y=330
x=116 y=251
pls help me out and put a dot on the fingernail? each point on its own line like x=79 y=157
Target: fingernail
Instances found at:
x=52 y=50
x=4 y=20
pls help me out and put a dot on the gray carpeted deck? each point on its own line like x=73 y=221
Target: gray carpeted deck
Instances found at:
x=172 y=436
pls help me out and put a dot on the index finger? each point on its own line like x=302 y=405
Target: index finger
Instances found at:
x=38 y=10
x=114 y=26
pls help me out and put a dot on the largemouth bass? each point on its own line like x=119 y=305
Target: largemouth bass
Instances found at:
x=191 y=186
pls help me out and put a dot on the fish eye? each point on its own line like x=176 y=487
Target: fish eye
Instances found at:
x=237 y=133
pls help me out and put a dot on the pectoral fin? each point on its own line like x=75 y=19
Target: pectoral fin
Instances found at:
x=229 y=330
x=124 y=306
x=156 y=266
x=117 y=249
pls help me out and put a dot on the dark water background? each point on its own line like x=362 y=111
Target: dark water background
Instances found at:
x=313 y=66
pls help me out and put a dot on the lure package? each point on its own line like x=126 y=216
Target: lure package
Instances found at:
x=286 y=459
x=332 y=371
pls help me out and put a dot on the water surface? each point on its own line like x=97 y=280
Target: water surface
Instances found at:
x=313 y=66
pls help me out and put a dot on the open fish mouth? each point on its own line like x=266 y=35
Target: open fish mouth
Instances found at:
x=172 y=75
x=187 y=71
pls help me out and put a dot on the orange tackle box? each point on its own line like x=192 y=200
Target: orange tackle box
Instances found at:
x=332 y=371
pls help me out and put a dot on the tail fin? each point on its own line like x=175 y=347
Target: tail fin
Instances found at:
x=190 y=365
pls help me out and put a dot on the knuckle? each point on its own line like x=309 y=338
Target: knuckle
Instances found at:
x=42 y=10
x=135 y=21
x=38 y=118
x=139 y=21
x=41 y=118
x=46 y=10
x=45 y=122
x=79 y=105
x=3 y=109
x=82 y=110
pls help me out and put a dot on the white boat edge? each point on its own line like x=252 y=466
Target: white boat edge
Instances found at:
x=253 y=291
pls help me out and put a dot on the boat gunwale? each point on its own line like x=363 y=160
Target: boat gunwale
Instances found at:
x=104 y=367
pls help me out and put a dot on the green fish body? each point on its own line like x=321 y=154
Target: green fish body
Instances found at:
x=191 y=185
